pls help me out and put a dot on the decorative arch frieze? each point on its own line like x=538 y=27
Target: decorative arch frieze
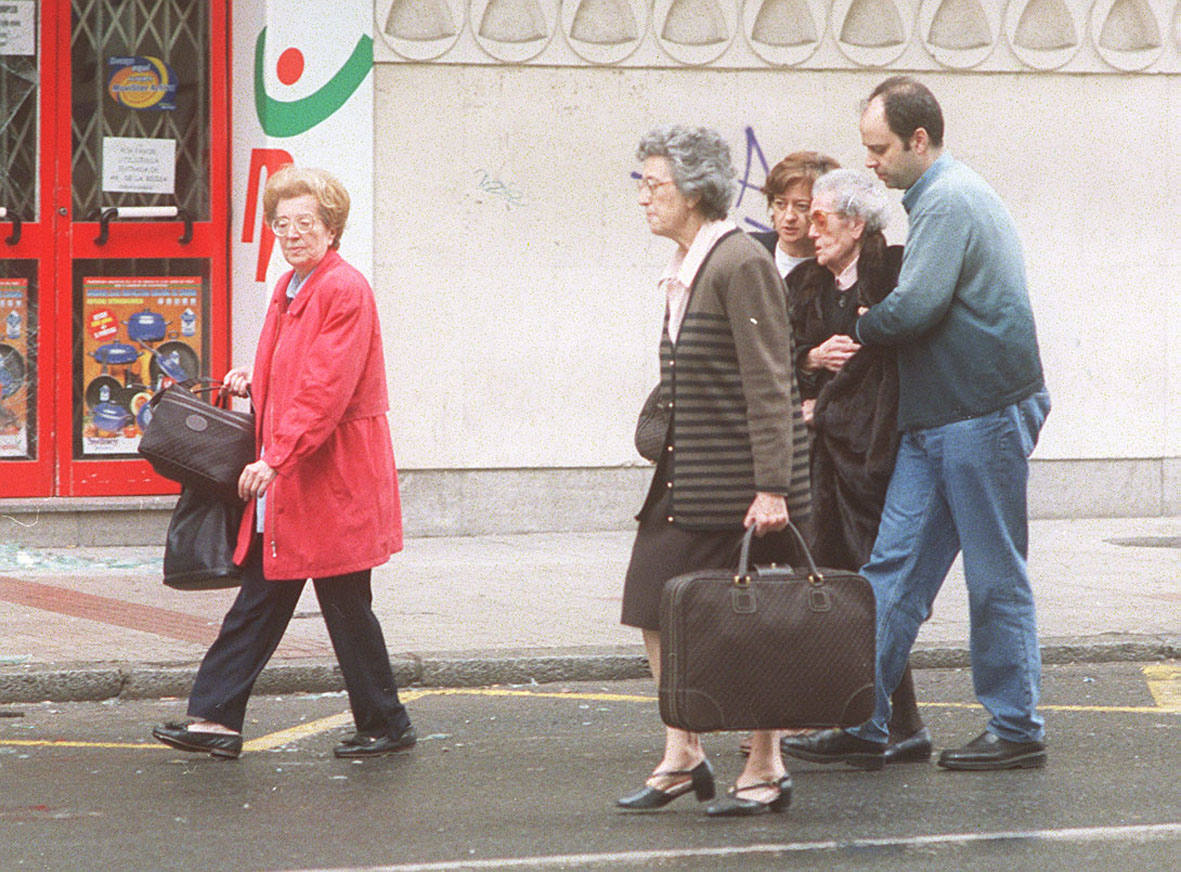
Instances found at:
x=1076 y=36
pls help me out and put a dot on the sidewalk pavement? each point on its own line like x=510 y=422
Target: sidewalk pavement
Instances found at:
x=97 y=623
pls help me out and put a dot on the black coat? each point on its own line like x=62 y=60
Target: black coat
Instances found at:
x=767 y=238
x=856 y=439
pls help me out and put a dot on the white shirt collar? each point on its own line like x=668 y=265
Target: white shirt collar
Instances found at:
x=785 y=262
x=847 y=277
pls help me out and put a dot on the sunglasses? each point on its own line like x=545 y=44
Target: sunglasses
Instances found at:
x=819 y=218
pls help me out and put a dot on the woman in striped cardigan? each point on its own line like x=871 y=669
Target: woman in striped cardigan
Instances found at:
x=735 y=455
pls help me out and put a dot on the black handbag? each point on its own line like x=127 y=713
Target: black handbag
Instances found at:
x=200 y=445
x=199 y=550
x=766 y=648
x=652 y=426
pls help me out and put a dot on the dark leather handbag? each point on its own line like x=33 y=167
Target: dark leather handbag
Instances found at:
x=652 y=427
x=200 y=445
x=766 y=648
x=199 y=550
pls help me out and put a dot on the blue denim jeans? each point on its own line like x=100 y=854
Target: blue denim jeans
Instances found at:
x=958 y=487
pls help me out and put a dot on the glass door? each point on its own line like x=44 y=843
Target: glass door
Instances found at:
x=126 y=291
x=27 y=232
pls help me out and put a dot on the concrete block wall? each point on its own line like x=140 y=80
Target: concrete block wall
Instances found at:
x=516 y=275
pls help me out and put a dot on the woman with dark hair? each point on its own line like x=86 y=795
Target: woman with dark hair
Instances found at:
x=735 y=452
x=853 y=412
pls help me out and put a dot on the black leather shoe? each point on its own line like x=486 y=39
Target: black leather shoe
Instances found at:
x=835 y=746
x=224 y=745
x=363 y=745
x=990 y=751
x=701 y=782
x=734 y=805
x=915 y=748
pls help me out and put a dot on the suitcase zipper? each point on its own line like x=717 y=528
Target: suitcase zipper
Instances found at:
x=672 y=641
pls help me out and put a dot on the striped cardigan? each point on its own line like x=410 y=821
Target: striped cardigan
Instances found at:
x=736 y=422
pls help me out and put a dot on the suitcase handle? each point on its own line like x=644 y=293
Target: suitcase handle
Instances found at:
x=814 y=575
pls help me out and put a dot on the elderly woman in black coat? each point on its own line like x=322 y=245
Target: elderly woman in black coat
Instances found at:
x=852 y=403
x=735 y=453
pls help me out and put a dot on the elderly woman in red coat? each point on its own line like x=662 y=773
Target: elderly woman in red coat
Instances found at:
x=322 y=499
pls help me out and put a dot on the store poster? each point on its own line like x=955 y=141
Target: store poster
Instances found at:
x=139 y=335
x=15 y=367
x=142 y=83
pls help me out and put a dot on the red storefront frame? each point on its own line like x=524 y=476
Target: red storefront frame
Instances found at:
x=58 y=239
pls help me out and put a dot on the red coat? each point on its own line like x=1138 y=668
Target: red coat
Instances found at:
x=320 y=404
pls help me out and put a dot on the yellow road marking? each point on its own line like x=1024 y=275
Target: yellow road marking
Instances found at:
x=1164 y=683
x=300 y=731
x=1098 y=709
x=62 y=743
x=541 y=694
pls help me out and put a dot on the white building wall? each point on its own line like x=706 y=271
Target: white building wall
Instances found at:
x=516 y=276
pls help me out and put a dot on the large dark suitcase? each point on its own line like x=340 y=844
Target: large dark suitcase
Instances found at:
x=766 y=648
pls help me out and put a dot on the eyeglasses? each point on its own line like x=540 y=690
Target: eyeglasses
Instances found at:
x=819 y=218
x=302 y=224
x=650 y=185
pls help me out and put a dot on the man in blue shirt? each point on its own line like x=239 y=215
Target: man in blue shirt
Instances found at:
x=972 y=402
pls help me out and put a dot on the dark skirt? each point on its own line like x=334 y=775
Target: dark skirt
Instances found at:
x=662 y=551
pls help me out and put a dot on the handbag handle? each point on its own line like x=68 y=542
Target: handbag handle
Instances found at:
x=205 y=385
x=202 y=386
x=814 y=575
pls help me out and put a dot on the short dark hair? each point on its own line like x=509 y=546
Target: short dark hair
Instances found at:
x=909 y=105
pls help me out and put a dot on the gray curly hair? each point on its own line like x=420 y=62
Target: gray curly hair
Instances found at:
x=700 y=161
x=857 y=195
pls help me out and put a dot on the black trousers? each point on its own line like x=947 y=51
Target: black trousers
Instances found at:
x=256 y=622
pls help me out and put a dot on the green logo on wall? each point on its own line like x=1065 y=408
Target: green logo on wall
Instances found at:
x=293 y=117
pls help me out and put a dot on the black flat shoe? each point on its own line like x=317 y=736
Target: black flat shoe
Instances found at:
x=361 y=745
x=701 y=782
x=989 y=751
x=179 y=736
x=835 y=746
x=735 y=806
x=915 y=748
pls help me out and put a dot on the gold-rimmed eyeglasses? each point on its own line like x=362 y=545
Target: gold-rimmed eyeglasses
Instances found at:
x=645 y=183
x=301 y=223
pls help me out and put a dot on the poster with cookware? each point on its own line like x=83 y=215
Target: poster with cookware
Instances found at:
x=14 y=367
x=139 y=335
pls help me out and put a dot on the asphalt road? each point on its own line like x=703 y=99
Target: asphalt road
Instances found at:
x=525 y=778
